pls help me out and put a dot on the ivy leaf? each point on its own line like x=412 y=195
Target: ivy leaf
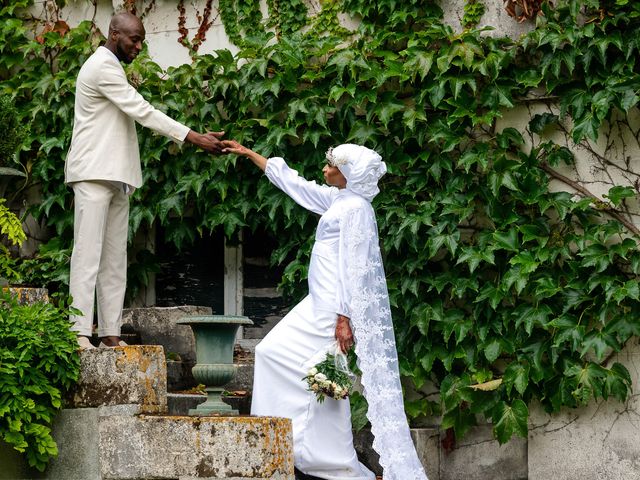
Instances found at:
x=540 y=122
x=585 y=127
x=531 y=315
x=496 y=96
x=494 y=294
x=588 y=380
x=617 y=383
x=509 y=420
x=492 y=350
x=387 y=109
x=362 y=132
x=418 y=62
x=437 y=93
x=455 y=321
x=560 y=154
x=629 y=99
x=342 y=59
x=618 y=193
x=515 y=276
x=507 y=240
x=509 y=136
x=173 y=202
x=600 y=342
x=516 y=375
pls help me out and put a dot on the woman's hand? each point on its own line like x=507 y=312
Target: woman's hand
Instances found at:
x=231 y=146
x=343 y=334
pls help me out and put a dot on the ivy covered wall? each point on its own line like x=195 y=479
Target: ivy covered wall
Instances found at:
x=512 y=276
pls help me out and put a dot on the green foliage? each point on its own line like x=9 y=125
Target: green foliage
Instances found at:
x=473 y=11
x=13 y=132
x=10 y=225
x=492 y=277
x=38 y=363
x=49 y=268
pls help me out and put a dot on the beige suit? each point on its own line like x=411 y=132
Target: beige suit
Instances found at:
x=103 y=159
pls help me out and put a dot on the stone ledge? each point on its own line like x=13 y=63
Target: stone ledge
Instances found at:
x=195 y=447
x=131 y=375
x=109 y=443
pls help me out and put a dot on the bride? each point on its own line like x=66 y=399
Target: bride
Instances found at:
x=348 y=304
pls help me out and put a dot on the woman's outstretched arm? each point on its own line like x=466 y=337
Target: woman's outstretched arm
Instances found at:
x=306 y=193
x=231 y=146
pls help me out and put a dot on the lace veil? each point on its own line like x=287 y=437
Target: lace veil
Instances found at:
x=362 y=272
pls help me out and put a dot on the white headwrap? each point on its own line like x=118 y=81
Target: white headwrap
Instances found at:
x=361 y=166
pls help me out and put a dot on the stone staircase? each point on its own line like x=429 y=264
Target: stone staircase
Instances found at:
x=122 y=423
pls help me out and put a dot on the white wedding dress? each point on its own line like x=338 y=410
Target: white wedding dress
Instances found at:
x=340 y=281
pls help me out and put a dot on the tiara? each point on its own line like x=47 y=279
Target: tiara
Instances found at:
x=334 y=160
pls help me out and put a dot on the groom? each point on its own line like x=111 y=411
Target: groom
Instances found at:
x=103 y=168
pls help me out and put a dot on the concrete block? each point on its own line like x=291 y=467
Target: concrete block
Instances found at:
x=157 y=326
x=479 y=457
x=76 y=433
x=599 y=441
x=426 y=441
x=243 y=379
x=195 y=447
x=132 y=375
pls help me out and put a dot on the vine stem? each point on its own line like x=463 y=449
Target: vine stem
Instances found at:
x=580 y=188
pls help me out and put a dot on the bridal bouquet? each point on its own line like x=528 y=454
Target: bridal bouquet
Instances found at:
x=330 y=378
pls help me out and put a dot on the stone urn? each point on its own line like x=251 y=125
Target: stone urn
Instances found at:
x=215 y=337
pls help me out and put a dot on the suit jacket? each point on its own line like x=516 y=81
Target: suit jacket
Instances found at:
x=104 y=143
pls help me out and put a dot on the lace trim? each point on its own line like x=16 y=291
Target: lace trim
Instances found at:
x=375 y=346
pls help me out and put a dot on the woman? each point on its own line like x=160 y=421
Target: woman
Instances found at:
x=347 y=301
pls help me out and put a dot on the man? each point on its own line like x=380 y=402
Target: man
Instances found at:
x=103 y=168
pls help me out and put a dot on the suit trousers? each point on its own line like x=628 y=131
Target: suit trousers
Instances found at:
x=99 y=258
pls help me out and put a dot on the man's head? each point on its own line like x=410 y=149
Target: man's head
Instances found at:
x=126 y=35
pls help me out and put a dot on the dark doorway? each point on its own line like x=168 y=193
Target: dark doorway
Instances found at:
x=193 y=276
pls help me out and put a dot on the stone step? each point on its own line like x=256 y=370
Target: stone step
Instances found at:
x=134 y=375
x=109 y=444
x=116 y=427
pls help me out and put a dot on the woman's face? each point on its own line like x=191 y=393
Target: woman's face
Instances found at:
x=334 y=177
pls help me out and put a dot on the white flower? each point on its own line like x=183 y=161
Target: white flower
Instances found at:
x=320 y=377
x=313 y=371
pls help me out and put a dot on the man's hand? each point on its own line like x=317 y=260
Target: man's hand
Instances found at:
x=344 y=335
x=209 y=141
